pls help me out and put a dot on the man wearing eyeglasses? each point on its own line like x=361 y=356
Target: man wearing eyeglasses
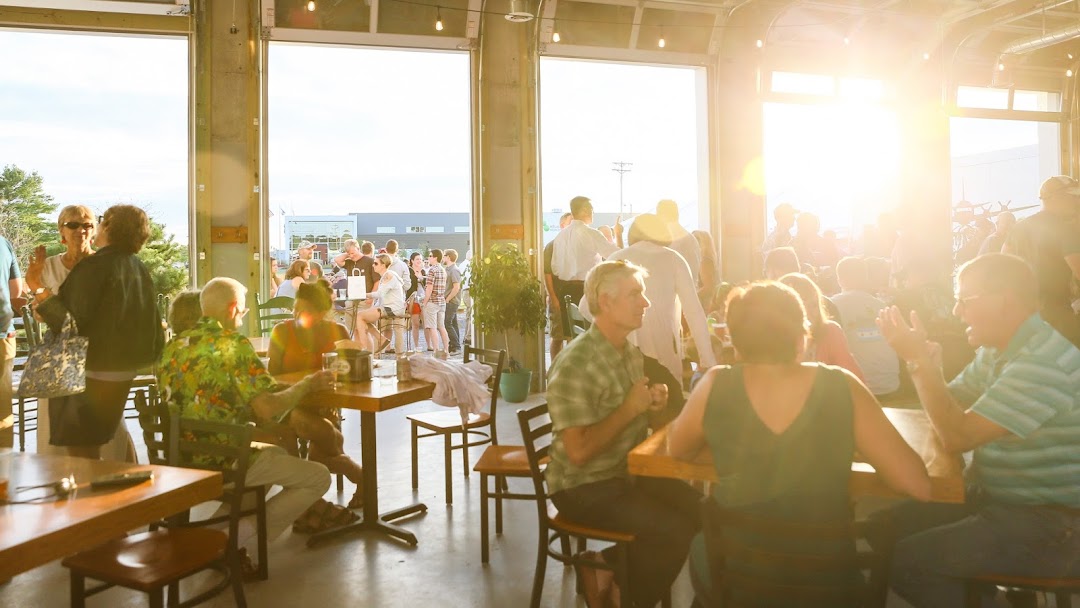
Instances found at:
x=1017 y=408
x=1050 y=242
x=11 y=287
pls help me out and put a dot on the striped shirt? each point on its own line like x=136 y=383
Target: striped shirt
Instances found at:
x=1032 y=389
x=589 y=380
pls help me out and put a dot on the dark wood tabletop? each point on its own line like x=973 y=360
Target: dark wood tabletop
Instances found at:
x=372 y=396
x=651 y=459
x=35 y=534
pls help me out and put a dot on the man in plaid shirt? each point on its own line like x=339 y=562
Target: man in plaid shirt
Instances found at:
x=600 y=403
x=434 y=307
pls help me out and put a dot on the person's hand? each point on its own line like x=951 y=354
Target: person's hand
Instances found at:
x=36 y=268
x=639 y=396
x=321 y=381
x=909 y=342
x=659 y=395
x=618 y=229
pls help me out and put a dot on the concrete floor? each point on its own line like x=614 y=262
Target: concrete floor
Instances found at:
x=367 y=570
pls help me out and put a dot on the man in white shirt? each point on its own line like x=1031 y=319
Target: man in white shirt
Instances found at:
x=858 y=316
x=682 y=241
x=575 y=251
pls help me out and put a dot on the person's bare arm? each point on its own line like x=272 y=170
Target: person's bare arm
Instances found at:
x=960 y=430
x=881 y=445
x=583 y=443
x=268 y=406
x=686 y=434
x=276 y=352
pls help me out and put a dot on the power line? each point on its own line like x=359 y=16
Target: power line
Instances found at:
x=622 y=168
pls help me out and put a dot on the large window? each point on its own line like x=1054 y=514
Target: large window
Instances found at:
x=364 y=131
x=839 y=161
x=1002 y=162
x=102 y=119
x=596 y=115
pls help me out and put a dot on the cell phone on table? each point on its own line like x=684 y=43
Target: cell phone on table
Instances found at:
x=130 y=478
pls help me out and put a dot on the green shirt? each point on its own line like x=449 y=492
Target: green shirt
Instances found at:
x=212 y=373
x=589 y=381
x=1032 y=389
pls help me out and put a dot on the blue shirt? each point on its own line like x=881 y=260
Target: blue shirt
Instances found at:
x=9 y=269
x=1032 y=389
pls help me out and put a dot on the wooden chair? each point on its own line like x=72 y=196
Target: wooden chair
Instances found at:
x=536 y=433
x=154 y=418
x=498 y=463
x=447 y=423
x=266 y=316
x=578 y=324
x=731 y=587
x=154 y=560
x=30 y=339
x=1062 y=588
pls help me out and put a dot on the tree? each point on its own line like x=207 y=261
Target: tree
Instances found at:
x=23 y=202
x=166 y=260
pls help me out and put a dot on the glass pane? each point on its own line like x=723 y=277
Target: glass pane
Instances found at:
x=1037 y=101
x=862 y=89
x=982 y=97
x=806 y=84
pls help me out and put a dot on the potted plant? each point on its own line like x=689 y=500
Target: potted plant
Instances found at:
x=507 y=297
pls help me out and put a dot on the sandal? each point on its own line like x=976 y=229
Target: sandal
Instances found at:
x=357 y=500
x=323 y=515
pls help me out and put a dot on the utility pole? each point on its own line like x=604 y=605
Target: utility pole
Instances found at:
x=622 y=168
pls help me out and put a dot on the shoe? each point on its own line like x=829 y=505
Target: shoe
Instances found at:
x=455 y=351
x=249 y=571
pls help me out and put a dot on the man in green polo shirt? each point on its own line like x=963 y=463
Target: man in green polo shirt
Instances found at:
x=1017 y=407
x=601 y=403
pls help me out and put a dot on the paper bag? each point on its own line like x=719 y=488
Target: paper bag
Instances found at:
x=357 y=287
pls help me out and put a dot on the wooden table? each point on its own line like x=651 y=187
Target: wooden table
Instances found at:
x=369 y=398
x=261 y=344
x=651 y=459
x=35 y=534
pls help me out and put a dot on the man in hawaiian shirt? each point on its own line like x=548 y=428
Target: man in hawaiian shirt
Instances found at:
x=211 y=372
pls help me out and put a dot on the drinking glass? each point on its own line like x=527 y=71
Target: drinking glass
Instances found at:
x=330 y=363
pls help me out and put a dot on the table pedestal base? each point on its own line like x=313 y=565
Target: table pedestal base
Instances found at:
x=380 y=524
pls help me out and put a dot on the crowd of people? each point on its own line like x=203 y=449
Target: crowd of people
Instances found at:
x=429 y=295
x=808 y=354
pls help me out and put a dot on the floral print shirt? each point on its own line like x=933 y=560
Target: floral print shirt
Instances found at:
x=212 y=373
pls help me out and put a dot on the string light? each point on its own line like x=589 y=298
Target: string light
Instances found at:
x=555 y=31
x=311 y=6
x=847 y=41
x=1001 y=66
x=1068 y=73
x=760 y=43
x=1069 y=55
x=438 y=19
x=555 y=37
x=661 y=43
x=926 y=56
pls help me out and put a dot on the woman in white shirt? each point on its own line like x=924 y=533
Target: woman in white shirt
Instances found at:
x=390 y=293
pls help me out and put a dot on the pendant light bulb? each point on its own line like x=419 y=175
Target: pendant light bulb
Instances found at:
x=438 y=20
x=661 y=43
x=760 y=43
x=1001 y=66
x=311 y=6
x=555 y=37
x=1068 y=73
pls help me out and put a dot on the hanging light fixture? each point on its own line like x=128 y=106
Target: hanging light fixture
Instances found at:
x=311 y=5
x=760 y=43
x=661 y=43
x=519 y=12
x=438 y=19
x=555 y=37
x=1068 y=73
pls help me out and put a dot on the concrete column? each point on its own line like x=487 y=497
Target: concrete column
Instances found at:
x=505 y=69
x=925 y=169
x=739 y=165
x=226 y=93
